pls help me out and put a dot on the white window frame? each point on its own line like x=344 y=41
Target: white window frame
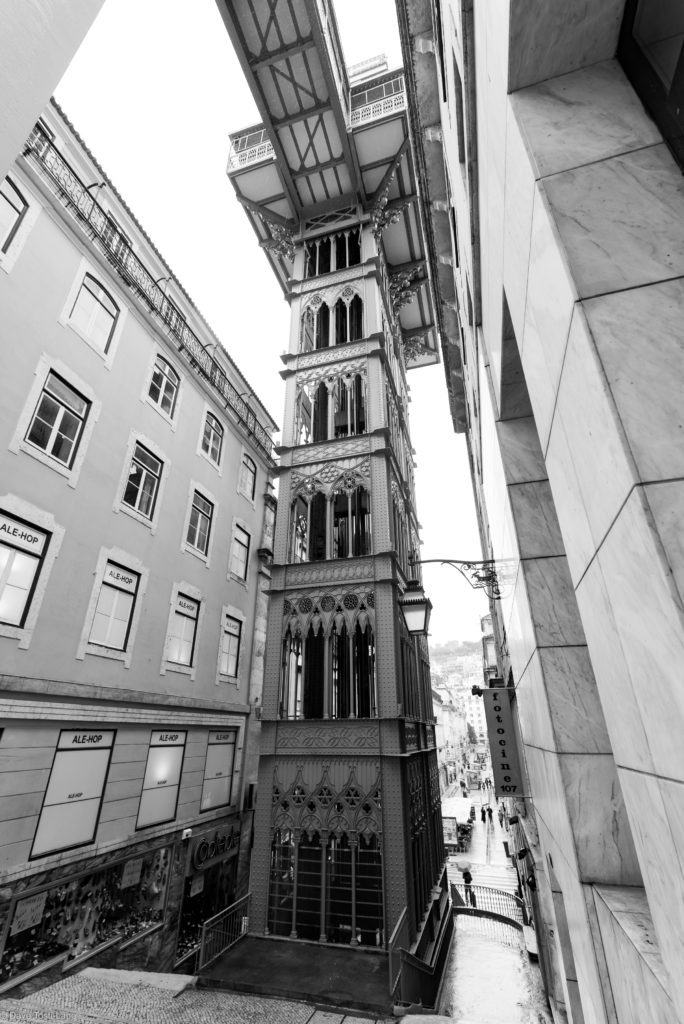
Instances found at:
x=20 y=444
x=25 y=226
x=239 y=524
x=127 y=561
x=182 y=588
x=234 y=776
x=248 y=497
x=185 y=544
x=217 y=466
x=13 y=506
x=234 y=613
x=85 y=267
x=119 y=505
x=146 y=398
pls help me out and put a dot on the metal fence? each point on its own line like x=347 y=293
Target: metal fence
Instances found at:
x=223 y=930
x=489 y=928
x=398 y=939
x=469 y=898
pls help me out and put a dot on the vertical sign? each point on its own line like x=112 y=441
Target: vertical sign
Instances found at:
x=502 y=742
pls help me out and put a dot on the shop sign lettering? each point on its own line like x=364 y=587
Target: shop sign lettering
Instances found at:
x=70 y=740
x=171 y=739
x=502 y=742
x=28 y=913
x=21 y=536
x=209 y=848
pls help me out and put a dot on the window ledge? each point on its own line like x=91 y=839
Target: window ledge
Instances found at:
x=174 y=666
x=160 y=412
x=69 y=473
x=109 y=652
x=137 y=516
x=190 y=550
x=238 y=579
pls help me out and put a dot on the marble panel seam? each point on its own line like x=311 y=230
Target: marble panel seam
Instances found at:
x=661 y=554
x=569 y=753
x=601 y=160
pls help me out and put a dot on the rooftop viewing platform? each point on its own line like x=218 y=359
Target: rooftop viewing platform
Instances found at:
x=371 y=101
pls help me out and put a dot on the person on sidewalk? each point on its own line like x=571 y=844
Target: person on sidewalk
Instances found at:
x=483 y=815
x=501 y=816
x=468 y=886
x=490 y=812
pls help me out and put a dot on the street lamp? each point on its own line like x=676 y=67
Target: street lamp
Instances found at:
x=480 y=575
x=416 y=608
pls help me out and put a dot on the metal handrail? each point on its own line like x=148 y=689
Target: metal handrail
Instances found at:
x=223 y=930
x=116 y=247
x=398 y=938
x=485 y=899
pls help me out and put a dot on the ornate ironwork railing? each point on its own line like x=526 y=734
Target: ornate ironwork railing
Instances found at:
x=103 y=232
x=482 y=898
x=380 y=108
x=250 y=146
x=223 y=930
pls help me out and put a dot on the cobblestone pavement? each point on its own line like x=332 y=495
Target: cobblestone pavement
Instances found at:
x=93 y=998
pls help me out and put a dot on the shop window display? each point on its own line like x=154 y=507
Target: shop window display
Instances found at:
x=77 y=917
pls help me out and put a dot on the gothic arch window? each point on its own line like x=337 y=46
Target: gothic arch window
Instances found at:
x=351 y=526
x=352 y=671
x=333 y=252
x=299 y=547
x=318 y=527
x=348 y=320
x=350 y=406
x=332 y=879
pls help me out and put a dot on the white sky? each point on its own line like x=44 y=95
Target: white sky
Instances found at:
x=154 y=91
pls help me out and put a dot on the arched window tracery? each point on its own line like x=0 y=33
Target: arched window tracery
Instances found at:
x=328 y=667
x=326 y=323
x=332 y=252
x=331 y=408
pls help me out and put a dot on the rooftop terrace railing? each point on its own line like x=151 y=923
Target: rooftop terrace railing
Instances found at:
x=250 y=146
x=67 y=185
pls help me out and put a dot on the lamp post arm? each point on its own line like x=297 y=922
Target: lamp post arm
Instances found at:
x=480 y=575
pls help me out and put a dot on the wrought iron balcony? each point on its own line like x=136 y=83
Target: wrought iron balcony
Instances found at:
x=250 y=146
x=76 y=198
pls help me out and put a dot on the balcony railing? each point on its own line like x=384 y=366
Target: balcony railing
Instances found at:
x=250 y=146
x=75 y=196
x=378 y=109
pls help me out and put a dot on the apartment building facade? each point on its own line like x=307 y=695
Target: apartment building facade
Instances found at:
x=136 y=526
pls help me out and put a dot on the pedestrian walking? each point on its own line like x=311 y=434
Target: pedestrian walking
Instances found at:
x=501 y=817
x=483 y=815
x=467 y=886
x=489 y=814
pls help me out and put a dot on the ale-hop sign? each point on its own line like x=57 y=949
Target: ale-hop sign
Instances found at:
x=502 y=742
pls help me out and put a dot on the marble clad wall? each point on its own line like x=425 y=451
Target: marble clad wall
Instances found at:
x=593 y=267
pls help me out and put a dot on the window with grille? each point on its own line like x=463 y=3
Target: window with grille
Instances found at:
x=114 y=609
x=230 y=646
x=183 y=631
x=239 y=555
x=94 y=313
x=212 y=438
x=142 y=486
x=164 y=384
x=22 y=550
x=58 y=421
x=247 y=484
x=199 y=526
